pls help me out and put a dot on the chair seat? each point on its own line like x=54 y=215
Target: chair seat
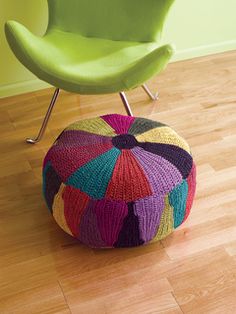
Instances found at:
x=87 y=65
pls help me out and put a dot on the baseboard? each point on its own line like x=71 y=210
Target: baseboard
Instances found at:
x=205 y=50
x=33 y=85
x=22 y=87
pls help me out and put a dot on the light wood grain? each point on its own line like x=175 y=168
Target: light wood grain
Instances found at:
x=43 y=270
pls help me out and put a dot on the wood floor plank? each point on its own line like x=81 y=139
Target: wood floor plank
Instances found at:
x=43 y=270
x=209 y=289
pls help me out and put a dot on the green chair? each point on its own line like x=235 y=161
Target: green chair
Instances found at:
x=95 y=47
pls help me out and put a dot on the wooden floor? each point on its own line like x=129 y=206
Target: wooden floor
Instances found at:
x=43 y=270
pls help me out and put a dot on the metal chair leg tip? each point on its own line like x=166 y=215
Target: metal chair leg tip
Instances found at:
x=157 y=96
x=31 y=141
x=153 y=96
x=45 y=121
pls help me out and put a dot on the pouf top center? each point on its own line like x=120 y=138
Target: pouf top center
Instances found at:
x=125 y=141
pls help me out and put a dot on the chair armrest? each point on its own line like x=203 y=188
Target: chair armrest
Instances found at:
x=152 y=64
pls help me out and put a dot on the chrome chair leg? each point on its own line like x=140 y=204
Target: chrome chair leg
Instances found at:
x=126 y=104
x=53 y=101
x=46 y=119
x=150 y=94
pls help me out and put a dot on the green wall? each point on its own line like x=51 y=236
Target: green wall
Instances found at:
x=197 y=27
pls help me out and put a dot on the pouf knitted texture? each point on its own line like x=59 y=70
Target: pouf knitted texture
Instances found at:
x=119 y=181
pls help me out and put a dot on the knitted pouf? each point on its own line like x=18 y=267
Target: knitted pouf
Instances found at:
x=118 y=181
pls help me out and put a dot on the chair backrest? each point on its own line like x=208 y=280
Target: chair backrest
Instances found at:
x=131 y=20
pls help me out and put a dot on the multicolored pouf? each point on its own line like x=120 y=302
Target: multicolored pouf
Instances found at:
x=119 y=181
